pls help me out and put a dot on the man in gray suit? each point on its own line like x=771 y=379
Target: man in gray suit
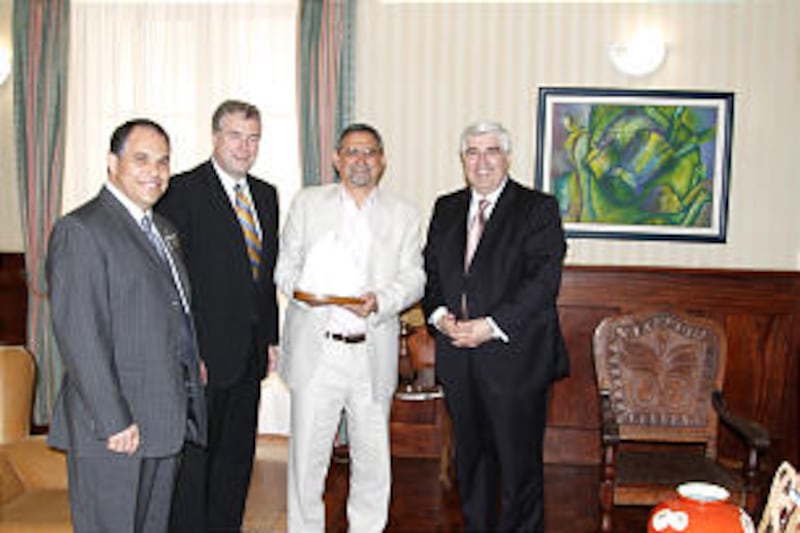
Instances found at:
x=362 y=245
x=132 y=389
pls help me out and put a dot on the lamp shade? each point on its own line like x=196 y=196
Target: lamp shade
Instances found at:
x=639 y=56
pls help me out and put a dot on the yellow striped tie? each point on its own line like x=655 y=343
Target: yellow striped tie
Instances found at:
x=247 y=219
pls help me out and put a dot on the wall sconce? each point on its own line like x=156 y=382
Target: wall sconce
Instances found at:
x=5 y=65
x=641 y=55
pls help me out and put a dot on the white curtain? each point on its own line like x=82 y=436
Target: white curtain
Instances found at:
x=174 y=61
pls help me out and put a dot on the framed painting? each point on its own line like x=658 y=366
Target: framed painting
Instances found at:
x=636 y=164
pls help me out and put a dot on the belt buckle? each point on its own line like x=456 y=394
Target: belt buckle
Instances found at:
x=347 y=339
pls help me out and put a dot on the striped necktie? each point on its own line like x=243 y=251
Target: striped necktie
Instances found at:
x=161 y=249
x=147 y=227
x=247 y=219
x=474 y=233
x=476 y=227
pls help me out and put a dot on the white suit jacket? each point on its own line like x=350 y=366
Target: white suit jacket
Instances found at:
x=395 y=275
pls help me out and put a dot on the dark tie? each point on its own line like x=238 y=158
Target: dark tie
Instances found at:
x=247 y=219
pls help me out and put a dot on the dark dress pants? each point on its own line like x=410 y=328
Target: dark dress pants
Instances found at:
x=213 y=482
x=499 y=434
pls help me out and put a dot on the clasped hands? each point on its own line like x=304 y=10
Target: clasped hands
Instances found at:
x=469 y=333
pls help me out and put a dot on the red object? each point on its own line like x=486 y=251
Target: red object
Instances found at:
x=699 y=508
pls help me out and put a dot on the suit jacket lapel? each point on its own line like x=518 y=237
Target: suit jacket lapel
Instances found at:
x=495 y=224
x=220 y=200
x=131 y=226
x=170 y=239
x=457 y=232
x=222 y=208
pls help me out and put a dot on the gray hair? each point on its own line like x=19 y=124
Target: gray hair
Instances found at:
x=483 y=127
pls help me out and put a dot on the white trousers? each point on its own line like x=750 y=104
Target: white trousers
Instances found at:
x=341 y=381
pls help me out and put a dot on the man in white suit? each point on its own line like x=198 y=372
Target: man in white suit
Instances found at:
x=350 y=261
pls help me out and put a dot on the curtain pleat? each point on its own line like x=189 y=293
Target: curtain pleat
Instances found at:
x=41 y=38
x=326 y=75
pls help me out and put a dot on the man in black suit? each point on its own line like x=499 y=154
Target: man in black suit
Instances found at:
x=131 y=392
x=227 y=221
x=493 y=263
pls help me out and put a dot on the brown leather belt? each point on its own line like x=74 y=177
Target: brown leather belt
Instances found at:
x=347 y=339
x=312 y=298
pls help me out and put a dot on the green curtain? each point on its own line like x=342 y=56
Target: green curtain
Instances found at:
x=41 y=42
x=326 y=74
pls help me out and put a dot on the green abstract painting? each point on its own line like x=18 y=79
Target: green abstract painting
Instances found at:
x=636 y=164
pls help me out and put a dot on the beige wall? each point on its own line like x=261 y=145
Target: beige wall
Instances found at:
x=426 y=69
x=10 y=232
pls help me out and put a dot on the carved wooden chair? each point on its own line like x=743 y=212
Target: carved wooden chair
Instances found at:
x=660 y=378
x=782 y=512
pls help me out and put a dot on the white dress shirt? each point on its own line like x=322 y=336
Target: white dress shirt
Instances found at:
x=337 y=265
x=229 y=183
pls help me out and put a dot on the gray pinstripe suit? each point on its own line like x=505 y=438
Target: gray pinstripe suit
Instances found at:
x=118 y=323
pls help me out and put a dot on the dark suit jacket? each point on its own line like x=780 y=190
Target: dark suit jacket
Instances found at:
x=234 y=315
x=514 y=277
x=117 y=318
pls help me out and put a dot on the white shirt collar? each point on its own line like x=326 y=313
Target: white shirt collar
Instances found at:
x=229 y=182
x=135 y=211
x=492 y=197
x=345 y=197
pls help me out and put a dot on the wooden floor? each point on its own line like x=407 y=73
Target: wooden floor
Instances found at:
x=419 y=502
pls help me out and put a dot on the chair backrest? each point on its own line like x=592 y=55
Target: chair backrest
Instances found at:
x=17 y=374
x=658 y=370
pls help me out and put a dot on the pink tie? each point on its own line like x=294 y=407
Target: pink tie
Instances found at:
x=475 y=231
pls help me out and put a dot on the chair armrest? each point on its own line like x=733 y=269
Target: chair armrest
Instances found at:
x=37 y=465
x=609 y=430
x=751 y=431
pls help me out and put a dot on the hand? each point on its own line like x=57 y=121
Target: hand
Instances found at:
x=369 y=304
x=273 y=357
x=471 y=333
x=203 y=373
x=447 y=324
x=126 y=441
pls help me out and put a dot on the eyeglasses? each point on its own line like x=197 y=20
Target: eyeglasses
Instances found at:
x=353 y=152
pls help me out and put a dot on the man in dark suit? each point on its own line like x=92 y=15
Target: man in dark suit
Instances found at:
x=120 y=308
x=227 y=221
x=493 y=263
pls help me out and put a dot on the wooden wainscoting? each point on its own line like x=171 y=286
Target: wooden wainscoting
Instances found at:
x=13 y=298
x=760 y=312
